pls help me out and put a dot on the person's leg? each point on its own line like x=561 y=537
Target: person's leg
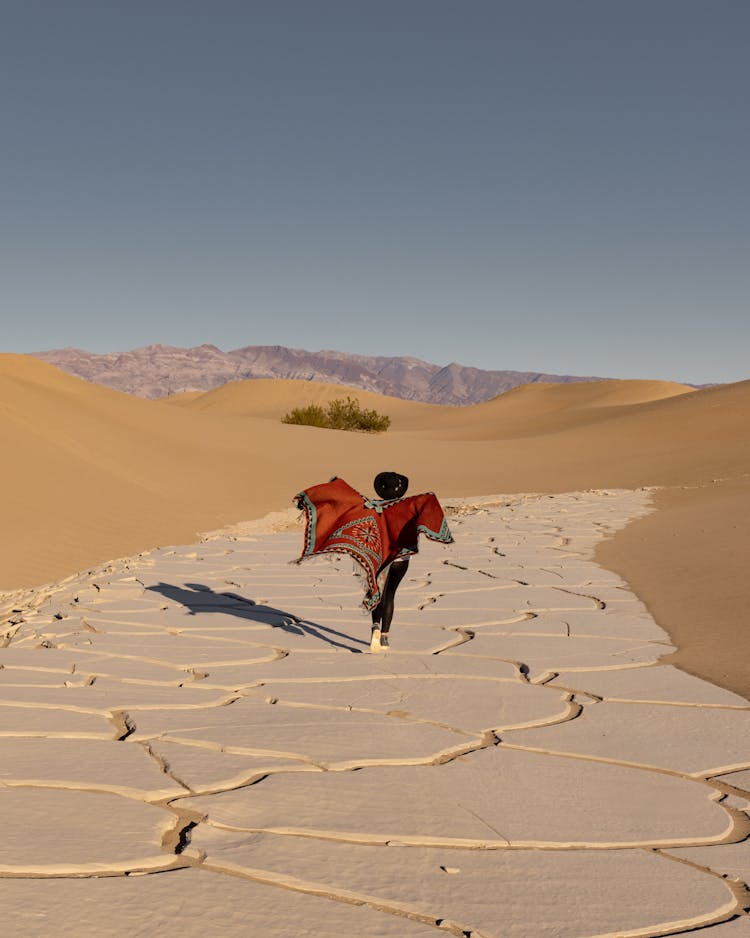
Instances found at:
x=377 y=615
x=396 y=573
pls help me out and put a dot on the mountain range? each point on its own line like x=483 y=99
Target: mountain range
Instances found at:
x=160 y=370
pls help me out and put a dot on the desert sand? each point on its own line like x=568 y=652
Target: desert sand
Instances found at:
x=94 y=474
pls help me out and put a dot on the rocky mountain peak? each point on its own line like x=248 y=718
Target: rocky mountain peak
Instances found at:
x=158 y=370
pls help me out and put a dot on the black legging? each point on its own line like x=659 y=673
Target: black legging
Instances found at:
x=383 y=612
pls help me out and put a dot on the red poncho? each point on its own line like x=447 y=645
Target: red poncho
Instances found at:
x=372 y=531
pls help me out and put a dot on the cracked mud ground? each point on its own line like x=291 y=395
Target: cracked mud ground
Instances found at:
x=198 y=741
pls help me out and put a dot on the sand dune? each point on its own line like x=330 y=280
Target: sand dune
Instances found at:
x=697 y=436
x=596 y=393
x=90 y=473
x=535 y=409
x=272 y=398
x=531 y=410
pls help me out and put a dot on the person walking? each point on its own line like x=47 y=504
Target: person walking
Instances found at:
x=379 y=534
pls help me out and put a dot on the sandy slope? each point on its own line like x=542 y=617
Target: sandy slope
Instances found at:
x=509 y=412
x=90 y=473
x=688 y=563
x=273 y=398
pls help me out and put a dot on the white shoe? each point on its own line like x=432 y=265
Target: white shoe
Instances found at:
x=375 y=640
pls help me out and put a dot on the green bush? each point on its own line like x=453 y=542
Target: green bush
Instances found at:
x=341 y=414
x=312 y=416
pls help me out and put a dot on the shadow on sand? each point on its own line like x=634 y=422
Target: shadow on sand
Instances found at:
x=199 y=598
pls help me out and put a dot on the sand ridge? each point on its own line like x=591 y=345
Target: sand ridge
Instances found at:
x=272 y=398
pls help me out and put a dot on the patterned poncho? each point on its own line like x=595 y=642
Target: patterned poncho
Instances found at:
x=372 y=531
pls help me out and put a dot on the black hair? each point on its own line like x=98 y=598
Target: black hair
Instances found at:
x=390 y=485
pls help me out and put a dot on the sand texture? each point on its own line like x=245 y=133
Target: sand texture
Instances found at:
x=199 y=740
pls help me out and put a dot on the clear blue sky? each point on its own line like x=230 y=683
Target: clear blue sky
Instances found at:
x=548 y=185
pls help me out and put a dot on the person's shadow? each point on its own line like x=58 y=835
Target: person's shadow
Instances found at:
x=201 y=598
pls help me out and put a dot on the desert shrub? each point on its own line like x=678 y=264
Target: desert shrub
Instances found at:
x=341 y=414
x=346 y=414
x=312 y=416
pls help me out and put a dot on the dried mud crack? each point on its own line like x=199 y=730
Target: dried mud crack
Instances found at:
x=521 y=729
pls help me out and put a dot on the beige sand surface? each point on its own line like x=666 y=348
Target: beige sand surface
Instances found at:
x=92 y=474
x=199 y=741
x=689 y=564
